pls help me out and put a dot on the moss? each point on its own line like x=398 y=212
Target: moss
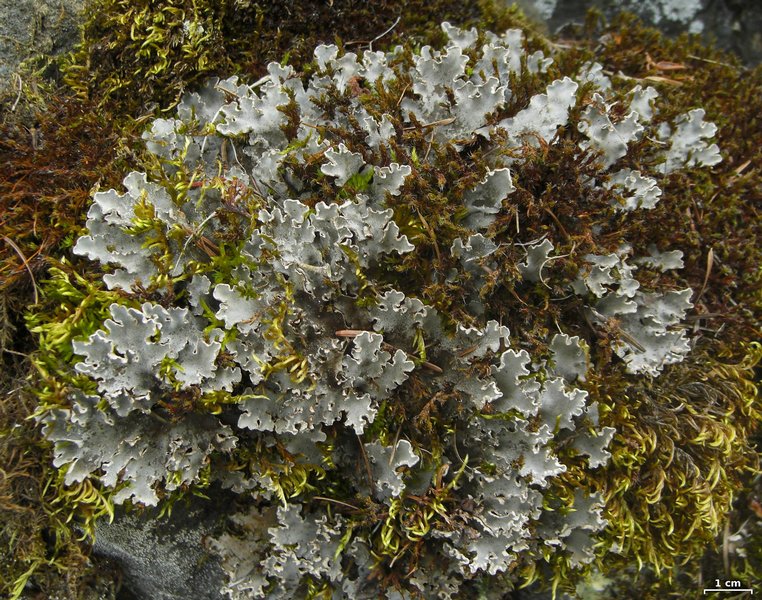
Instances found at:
x=137 y=58
x=686 y=446
x=713 y=218
x=39 y=544
x=48 y=164
x=134 y=59
x=141 y=55
x=706 y=211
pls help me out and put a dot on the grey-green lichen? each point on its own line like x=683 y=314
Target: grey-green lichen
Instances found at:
x=264 y=343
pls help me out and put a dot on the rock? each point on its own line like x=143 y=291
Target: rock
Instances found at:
x=165 y=558
x=32 y=27
x=736 y=25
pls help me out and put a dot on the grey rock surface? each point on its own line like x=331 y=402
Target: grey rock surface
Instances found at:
x=32 y=27
x=735 y=25
x=165 y=558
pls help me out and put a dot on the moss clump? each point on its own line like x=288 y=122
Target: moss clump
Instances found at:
x=683 y=450
x=552 y=202
x=143 y=55
x=47 y=170
x=715 y=220
x=45 y=185
x=140 y=57
x=714 y=212
x=40 y=546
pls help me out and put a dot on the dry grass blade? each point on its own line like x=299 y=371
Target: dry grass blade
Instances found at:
x=25 y=262
x=709 y=263
x=368 y=472
x=740 y=169
x=659 y=79
x=338 y=502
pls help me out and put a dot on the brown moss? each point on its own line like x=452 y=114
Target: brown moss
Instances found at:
x=706 y=211
x=45 y=185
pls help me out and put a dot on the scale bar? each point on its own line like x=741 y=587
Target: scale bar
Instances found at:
x=750 y=590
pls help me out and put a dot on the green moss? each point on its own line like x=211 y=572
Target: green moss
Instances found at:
x=683 y=450
x=76 y=308
x=136 y=56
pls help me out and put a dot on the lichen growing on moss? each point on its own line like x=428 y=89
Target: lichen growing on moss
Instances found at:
x=140 y=55
x=520 y=188
x=60 y=143
x=708 y=215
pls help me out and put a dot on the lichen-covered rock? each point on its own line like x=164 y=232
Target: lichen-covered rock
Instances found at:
x=274 y=351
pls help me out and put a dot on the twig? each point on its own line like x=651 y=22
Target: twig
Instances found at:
x=394 y=446
x=367 y=466
x=631 y=340
x=350 y=333
x=555 y=218
x=402 y=95
x=158 y=417
x=737 y=173
x=709 y=263
x=655 y=78
x=740 y=169
x=455 y=445
x=515 y=294
x=698 y=316
x=565 y=44
x=428 y=148
x=16 y=354
x=447 y=121
x=18 y=97
x=24 y=260
x=726 y=546
x=378 y=37
x=375 y=39
x=714 y=62
x=551 y=258
x=533 y=242
x=190 y=238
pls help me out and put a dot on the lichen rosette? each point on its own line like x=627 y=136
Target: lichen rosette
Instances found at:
x=279 y=331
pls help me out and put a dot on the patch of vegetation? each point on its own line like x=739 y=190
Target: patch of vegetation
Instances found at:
x=61 y=140
x=688 y=436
